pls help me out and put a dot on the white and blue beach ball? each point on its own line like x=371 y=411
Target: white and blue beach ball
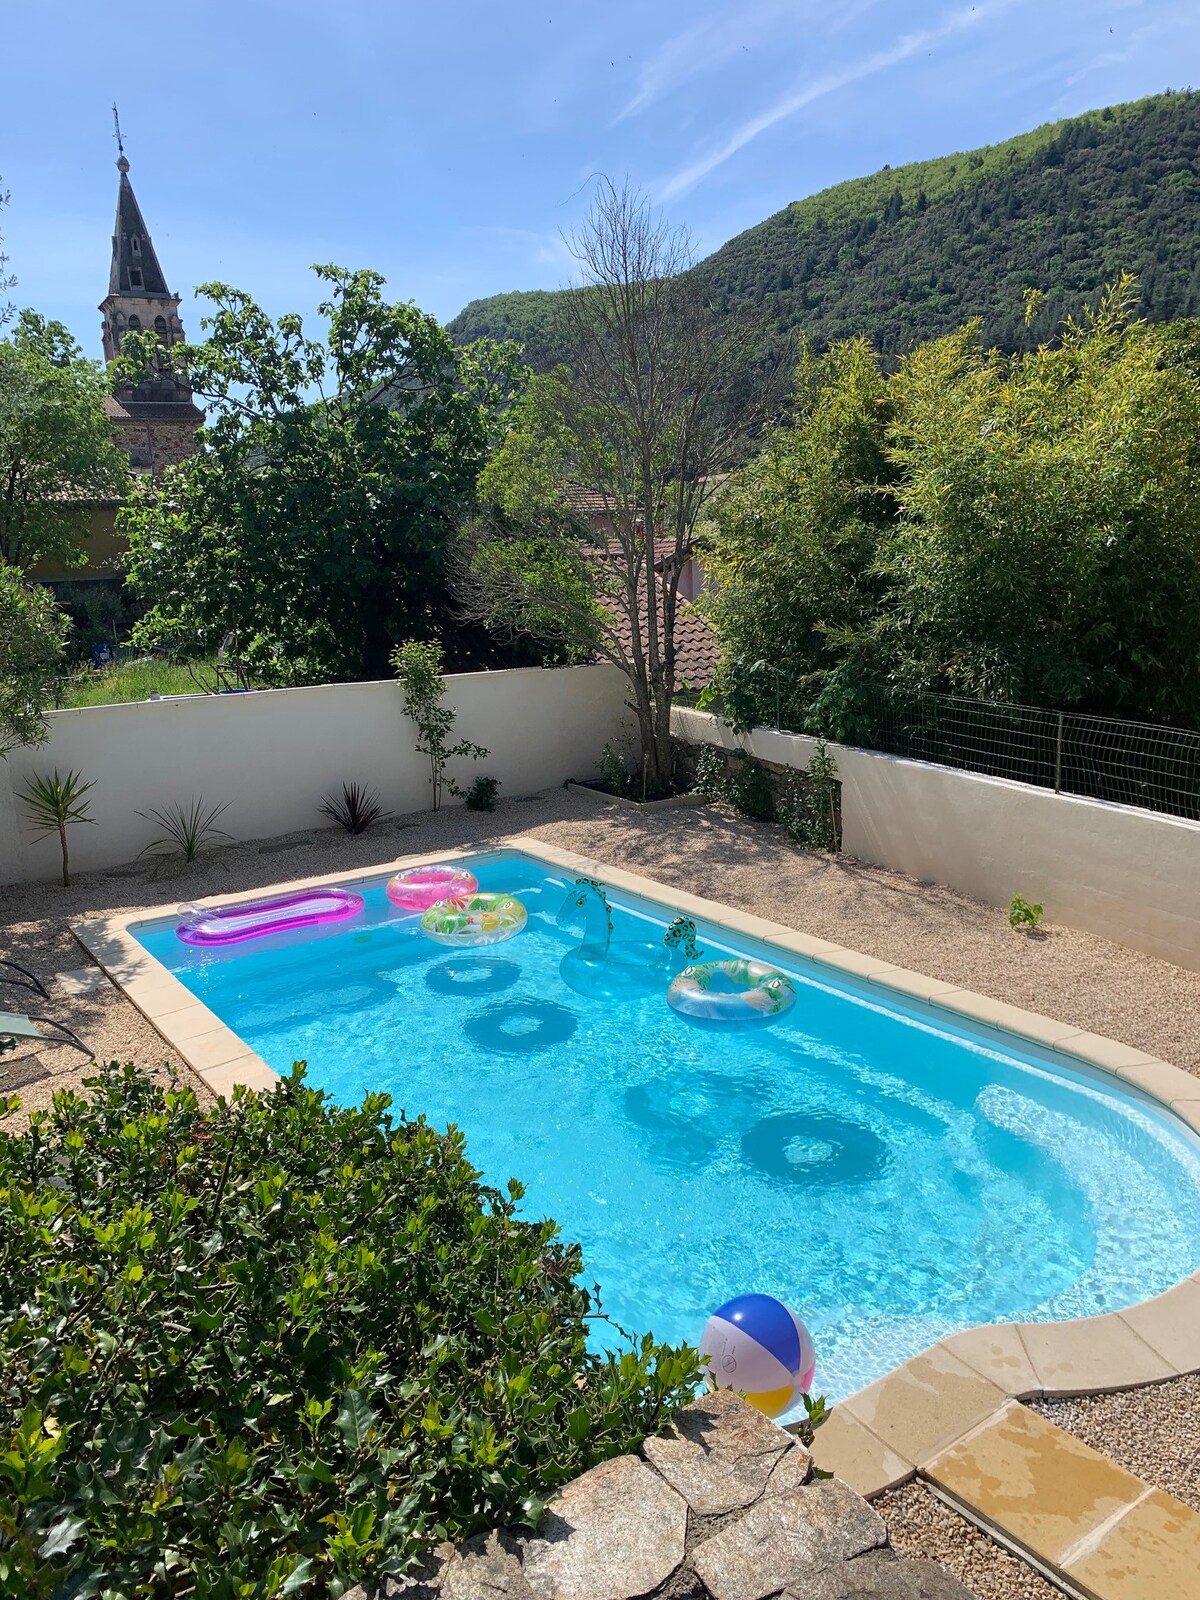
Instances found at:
x=756 y=1344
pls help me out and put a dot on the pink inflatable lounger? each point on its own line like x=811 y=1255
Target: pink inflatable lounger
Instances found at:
x=251 y=919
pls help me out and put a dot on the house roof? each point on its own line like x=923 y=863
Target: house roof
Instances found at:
x=152 y=410
x=586 y=502
x=696 y=649
x=72 y=495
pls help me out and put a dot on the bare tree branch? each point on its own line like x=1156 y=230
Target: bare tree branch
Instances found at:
x=654 y=418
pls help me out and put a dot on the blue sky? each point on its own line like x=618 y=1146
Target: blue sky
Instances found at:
x=448 y=143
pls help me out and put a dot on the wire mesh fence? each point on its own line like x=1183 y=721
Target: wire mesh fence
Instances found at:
x=1103 y=758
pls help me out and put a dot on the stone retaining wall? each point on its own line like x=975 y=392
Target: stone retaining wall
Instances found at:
x=723 y=1507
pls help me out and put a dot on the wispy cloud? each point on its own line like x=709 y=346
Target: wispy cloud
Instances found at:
x=908 y=45
x=699 y=48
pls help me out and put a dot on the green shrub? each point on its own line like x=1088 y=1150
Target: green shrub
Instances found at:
x=710 y=773
x=808 y=809
x=615 y=775
x=1022 y=914
x=279 y=1347
x=481 y=796
x=748 y=789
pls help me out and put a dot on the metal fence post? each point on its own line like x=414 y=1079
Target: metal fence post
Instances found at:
x=778 y=704
x=1058 y=756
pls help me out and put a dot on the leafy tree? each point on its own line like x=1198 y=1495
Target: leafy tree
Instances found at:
x=1007 y=527
x=312 y=522
x=793 y=563
x=56 y=445
x=1047 y=544
x=649 y=409
x=278 y=1347
x=32 y=634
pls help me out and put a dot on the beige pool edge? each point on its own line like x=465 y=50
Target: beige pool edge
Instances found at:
x=897 y=1426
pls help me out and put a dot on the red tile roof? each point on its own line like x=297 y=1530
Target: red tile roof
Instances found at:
x=696 y=648
x=586 y=502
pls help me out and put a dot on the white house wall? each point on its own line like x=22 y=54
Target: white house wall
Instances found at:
x=1130 y=875
x=273 y=755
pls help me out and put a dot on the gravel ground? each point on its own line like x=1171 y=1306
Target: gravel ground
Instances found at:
x=1074 y=976
x=923 y=1527
x=1153 y=1431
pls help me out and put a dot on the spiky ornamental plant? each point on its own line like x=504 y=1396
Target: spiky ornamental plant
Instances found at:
x=356 y=809
x=55 y=804
x=186 y=829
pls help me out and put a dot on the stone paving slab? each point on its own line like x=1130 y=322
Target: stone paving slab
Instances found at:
x=847 y=1448
x=1152 y=1552
x=82 y=982
x=1044 y=1488
x=1046 y=1492
x=926 y=1404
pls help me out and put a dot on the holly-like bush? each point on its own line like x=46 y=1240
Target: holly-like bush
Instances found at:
x=278 y=1347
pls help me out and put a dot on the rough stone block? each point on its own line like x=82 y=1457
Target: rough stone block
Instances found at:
x=488 y=1567
x=719 y=1453
x=785 y=1540
x=617 y=1532
x=881 y=1575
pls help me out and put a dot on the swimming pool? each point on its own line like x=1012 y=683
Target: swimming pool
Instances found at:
x=892 y=1174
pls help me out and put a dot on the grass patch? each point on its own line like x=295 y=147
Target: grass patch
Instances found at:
x=133 y=680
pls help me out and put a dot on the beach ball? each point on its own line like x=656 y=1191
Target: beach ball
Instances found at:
x=758 y=1345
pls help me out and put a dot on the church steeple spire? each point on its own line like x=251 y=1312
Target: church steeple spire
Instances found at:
x=155 y=418
x=135 y=269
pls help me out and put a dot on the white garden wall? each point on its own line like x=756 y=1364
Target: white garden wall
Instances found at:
x=1129 y=875
x=272 y=755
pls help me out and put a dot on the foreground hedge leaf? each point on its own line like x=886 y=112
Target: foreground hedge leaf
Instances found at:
x=280 y=1347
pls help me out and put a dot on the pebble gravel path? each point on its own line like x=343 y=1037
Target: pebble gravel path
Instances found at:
x=920 y=1525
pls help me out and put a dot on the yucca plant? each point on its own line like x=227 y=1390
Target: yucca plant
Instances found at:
x=53 y=805
x=186 y=829
x=356 y=808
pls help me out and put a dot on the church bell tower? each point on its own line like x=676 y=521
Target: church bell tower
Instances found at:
x=155 y=420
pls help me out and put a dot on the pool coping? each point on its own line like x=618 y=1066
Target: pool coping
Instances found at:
x=887 y=1432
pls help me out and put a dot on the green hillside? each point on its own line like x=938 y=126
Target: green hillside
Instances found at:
x=911 y=252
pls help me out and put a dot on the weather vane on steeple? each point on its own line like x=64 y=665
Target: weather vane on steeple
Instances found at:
x=122 y=163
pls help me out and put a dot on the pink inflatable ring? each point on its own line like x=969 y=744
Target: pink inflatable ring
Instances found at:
x=422 y=887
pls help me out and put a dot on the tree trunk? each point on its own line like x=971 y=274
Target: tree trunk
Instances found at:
x=662 y=758
x=643 y=708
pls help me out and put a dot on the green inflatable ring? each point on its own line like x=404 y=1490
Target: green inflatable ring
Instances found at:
x=474 y=919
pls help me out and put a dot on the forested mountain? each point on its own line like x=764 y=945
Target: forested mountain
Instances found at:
x=914 y=251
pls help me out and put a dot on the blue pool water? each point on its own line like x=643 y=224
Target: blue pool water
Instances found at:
x=892 y=1178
